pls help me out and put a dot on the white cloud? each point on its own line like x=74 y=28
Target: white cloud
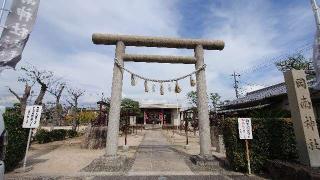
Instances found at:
x=251 y=31
x=61 y=42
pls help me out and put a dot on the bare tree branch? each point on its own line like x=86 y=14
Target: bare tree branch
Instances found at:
x=15 y=94
x=42 y=77
x=23 y=100
x=75 y=94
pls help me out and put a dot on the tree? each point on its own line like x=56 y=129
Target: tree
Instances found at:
x=192 y=98
x=56 y=90
x=74 y=94
x=42 y=77
x=129 y=108
x=129 y=105
x=297 y=62
x=215 y=99
x=32 y=75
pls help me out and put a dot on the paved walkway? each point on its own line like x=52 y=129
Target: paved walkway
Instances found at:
x=155 y=157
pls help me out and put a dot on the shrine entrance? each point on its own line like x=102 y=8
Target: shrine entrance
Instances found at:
x=153 y=116
x=121 y=41
x=157 y=116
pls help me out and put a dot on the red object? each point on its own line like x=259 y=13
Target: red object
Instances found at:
x=161 y=117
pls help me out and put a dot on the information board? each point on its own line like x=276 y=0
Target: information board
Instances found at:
x=245 y=129
x=32 y=117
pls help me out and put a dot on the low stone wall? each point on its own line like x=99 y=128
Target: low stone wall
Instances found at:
x=95 y=137
x=291 y=171
x=217 y=140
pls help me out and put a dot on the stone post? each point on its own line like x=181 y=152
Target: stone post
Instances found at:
x=114 y=112
x=203 y=111
x=303 y=118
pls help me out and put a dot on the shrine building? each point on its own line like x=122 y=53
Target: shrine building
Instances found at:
x=158 y=114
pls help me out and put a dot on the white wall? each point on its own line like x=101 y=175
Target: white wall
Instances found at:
x=175 y=117
x=133 y=120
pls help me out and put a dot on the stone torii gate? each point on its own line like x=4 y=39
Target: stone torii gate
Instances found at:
x=121 y=41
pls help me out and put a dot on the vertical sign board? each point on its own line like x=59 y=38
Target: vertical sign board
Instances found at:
x=245 y=129
x=304 y=122
x=32 y=117
x=31 y=120
x=245 y=132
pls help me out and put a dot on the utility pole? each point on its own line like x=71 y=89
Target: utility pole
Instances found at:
x=316 y=54
x=235 y=85
x=315 y=9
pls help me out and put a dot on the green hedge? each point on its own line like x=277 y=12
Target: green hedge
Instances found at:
x=44 y=136
x=17 y=138
x=272 y=139
x=72 y=133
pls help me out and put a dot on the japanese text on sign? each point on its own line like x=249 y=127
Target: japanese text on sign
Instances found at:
x=32 y=117
x=245 y=128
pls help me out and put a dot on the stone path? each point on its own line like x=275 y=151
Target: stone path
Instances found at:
x=155 y=157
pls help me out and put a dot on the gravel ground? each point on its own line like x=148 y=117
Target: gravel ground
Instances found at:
x=102 y=164
x=66 y=160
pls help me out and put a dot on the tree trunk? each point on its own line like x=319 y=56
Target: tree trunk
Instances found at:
x=56 y=115
x=42 y=92
x=74 y=118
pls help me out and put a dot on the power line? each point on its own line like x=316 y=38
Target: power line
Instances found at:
x=271 y=61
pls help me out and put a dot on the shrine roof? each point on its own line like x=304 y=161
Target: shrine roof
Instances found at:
x=270 y=91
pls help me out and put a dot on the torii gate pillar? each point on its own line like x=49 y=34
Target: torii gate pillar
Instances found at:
x=202 y=104
x=115 y=102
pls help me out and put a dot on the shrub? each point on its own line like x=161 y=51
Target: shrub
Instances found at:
x=58 y=134
x=272 y=139
x=86 y=117
x=72 y=133
x=42 y=136
x=17 y=137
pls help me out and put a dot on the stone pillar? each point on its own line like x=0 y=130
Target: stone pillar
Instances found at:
x=304 y=122
x=114 y=112
x=203 y=111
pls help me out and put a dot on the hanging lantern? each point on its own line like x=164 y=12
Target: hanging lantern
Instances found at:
x=177 y=89
x=161 y=89
x=153 y=88
x=146 y=88
x=192 y=81
x=169 y=87
x=133 y=80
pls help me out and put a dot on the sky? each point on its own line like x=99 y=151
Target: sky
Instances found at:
x=254 y=33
